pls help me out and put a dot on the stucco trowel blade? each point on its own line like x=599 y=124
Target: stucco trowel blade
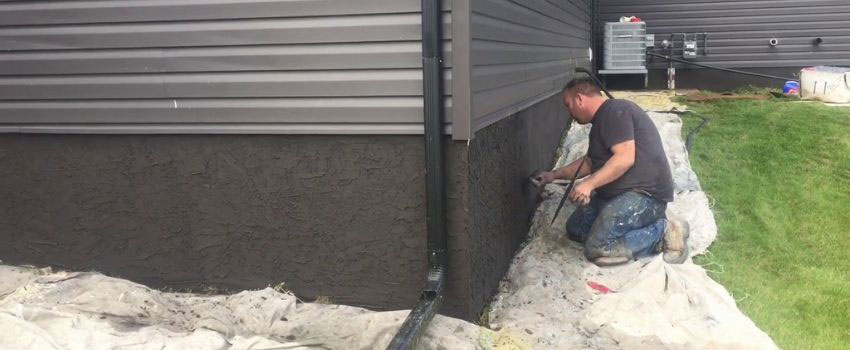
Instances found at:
x=567 y=192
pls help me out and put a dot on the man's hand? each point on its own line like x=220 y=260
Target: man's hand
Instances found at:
x=581 y=193
x=546 y=177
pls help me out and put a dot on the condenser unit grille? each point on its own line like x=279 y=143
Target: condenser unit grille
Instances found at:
x=625 y=46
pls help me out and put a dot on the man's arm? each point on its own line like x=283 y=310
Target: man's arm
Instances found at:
x=621 y=161
x=567 y=171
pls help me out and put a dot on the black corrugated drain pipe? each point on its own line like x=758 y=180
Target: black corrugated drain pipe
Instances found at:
x=432 y=295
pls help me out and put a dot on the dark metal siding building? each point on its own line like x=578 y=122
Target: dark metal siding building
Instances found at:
x=513 y=54
x=282 y=67
x=238 y=144
x=260 y=66
x=739 y=34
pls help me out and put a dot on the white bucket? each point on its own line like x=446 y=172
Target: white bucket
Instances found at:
x=828 y=84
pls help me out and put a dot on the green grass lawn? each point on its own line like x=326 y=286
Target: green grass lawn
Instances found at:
x=779 y=175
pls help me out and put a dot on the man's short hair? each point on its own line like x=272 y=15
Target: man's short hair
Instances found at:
x=584 y=86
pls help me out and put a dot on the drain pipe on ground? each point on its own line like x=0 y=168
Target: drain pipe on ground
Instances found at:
x=432 y=295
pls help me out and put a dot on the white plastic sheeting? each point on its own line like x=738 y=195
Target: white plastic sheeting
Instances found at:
x=547 y=295
x=828 y=84
x=40 y=309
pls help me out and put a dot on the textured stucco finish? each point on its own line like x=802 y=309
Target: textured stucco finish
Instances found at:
x=501 y=201
x=335 y=216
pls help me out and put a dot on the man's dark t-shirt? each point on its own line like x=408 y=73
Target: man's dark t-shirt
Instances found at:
x=618 y=121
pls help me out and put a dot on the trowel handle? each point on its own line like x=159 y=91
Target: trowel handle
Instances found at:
x=534 y=181
x=537 y=183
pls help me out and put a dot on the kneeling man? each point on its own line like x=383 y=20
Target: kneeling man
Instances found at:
x=622 y=202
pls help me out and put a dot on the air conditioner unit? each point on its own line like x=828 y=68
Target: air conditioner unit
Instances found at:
x=625 y=45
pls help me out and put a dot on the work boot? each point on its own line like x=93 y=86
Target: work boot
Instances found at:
x=676 y=240
x=604 y=261
x=617 y=255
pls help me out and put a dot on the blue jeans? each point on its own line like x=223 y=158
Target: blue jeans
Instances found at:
x=631 y=224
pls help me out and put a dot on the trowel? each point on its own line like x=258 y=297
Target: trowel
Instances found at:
x=533 y=179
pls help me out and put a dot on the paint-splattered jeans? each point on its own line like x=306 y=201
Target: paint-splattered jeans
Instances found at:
x=630 y=224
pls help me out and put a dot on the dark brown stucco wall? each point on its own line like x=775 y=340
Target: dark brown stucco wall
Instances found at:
x=336 y=216
x=501 y=157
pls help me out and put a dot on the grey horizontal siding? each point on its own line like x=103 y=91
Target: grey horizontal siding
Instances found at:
x=213 y=128
x=194 y=111
x=220 y=66
x=339 y=83
x=739 y=31
x=521 y=52
x=383 y=55
x=118 y=11
x=236 y=32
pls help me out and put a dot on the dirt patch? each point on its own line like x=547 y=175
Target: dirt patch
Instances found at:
x=660 y=100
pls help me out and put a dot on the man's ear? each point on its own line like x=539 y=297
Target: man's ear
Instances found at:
x=579 y=99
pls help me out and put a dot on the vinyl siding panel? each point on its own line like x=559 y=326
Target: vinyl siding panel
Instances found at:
x=122 y=11
x=294 y=57
x=274 y=66
x=521 y=52
x=339 y=83
x=235 y=32
x=739 y=31
x=258 y=110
